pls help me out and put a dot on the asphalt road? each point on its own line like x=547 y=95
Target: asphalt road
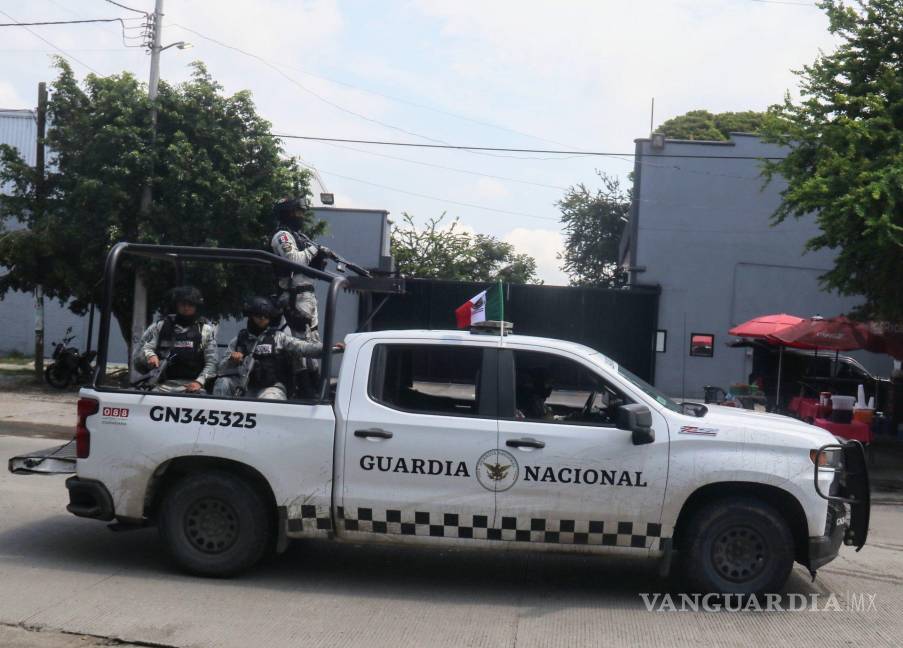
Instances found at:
x=60 y=574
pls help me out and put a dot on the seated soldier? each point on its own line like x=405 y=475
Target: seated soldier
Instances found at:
x=272 y=352
x=183 y=341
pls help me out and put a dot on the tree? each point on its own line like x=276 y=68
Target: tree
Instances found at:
x=593 y=223
x=703 y=125
x=845 y=154
x=217 y=171
x=434 y=252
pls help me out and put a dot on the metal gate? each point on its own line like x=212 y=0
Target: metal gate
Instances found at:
x=619 y=323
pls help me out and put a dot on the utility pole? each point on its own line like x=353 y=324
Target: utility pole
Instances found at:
x=139 y=304
x=39 y=203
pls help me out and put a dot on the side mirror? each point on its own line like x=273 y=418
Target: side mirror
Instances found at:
x=637 y=419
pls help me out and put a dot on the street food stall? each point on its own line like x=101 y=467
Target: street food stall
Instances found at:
x=845 y=401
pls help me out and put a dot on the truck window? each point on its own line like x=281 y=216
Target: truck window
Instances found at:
x=428 y=378
x=553 y=389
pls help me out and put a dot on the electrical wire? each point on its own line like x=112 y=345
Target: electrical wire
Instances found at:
x=122 y=6
x=436 y=198
x=376 y=93
x=277 y=68
x=446 y=168
x=63 y=22
x=55 y=47
x=521 y=150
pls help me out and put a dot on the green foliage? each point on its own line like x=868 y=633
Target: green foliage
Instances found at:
x=216 y=172
x=433 y=252
x=845 y=160
x=703 y=125
x=593 y=223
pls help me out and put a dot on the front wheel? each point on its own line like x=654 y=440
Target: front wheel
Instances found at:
x=737 y=546
x=57 y=376
x=214 y=524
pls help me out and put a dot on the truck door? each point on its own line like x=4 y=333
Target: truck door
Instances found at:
x=578 y=478
x=420 y=416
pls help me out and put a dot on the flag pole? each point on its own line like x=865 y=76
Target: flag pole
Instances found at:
x=501 y=312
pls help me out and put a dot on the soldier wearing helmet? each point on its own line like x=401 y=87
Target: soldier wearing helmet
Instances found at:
x=296 y=290
x=272 y=350
x=185 y=340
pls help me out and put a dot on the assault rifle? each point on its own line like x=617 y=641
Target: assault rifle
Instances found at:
x=247 y=367
x=153 y=377
x=340 y=261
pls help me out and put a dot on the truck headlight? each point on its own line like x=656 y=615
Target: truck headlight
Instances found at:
x=827 y=458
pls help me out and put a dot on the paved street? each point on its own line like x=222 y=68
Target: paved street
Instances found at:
x=63 y=577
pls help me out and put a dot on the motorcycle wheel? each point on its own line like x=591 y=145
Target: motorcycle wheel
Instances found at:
x=57 y=376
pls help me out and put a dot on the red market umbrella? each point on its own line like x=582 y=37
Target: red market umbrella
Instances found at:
x=765 y=325
x=836 y=334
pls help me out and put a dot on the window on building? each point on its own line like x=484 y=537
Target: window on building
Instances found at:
x=427 y=378
x=661 y=341
x=702 y=345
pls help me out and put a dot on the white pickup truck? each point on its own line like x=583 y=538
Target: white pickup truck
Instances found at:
x=451 y=438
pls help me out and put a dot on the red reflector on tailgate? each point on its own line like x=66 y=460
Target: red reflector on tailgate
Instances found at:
x=86 y=407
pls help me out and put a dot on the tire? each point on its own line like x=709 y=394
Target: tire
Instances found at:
x=737 y=546
x=215 y=524
x=57 y=376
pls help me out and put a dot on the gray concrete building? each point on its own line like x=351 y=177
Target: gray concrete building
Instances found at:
x=361 y=235
x=700 y=229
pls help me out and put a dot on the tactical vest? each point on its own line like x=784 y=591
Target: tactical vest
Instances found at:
x=188 y=359
x=270 y=366
x=318 y=262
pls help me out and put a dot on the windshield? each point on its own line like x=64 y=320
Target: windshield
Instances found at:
x=650 y=390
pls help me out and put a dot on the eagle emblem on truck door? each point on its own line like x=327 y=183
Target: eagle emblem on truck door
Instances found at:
x=497 y=470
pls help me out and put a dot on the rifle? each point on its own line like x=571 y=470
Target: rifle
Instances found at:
x=153 y=377
x=247 y=366
x=341 y=262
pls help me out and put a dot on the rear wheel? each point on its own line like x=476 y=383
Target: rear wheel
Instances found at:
x=740 y=546
x=57 y=376
x=215 y=524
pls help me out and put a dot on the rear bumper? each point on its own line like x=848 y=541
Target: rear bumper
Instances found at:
x=824 y=549
x=90 y=499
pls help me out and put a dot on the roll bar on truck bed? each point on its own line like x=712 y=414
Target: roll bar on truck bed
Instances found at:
x=180 y=253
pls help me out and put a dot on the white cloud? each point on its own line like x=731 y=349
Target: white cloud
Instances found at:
x=544 y=246
x=490 y=190
x=10 y=98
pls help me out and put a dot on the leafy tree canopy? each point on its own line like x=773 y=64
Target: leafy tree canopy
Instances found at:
x=845 y=160
x=704 y=125
x=436 y=252
x=216 y=172
x=593 y=222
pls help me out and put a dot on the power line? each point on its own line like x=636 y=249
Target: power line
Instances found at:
x=436 y=198
x=55 y=47
x=63 y=22
x=277 y=68
x=447 y=168
x=522 y=150
x=122 y=6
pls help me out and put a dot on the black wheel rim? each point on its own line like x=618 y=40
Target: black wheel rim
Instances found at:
x=211 y=525
x=739 y=554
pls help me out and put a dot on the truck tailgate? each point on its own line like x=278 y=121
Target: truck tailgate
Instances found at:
x=58 y=460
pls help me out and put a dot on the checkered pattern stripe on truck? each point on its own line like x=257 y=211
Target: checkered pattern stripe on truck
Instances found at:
x=639 y=535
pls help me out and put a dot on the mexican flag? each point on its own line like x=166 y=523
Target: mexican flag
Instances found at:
x=488 y=305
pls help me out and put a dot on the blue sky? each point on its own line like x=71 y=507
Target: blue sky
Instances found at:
x=497 y=73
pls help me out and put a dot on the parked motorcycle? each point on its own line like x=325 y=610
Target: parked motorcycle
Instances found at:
x=69 y=364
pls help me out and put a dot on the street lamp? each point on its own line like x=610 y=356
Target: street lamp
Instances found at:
x=182 y=45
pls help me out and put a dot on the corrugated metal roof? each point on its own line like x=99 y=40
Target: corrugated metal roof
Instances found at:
x=18 y=129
